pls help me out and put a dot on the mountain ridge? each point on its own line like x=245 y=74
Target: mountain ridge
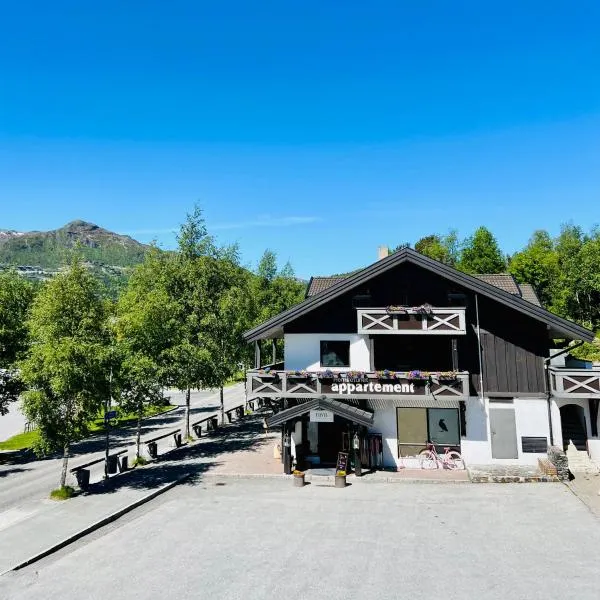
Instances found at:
x=49 y=249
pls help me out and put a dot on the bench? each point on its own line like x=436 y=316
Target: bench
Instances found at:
x=152 y=446
x=238 y=410
x=212 y=424
x=82 y=472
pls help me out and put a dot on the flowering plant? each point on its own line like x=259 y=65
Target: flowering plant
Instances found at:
x=297 y=473
x=298 y=373
x=326 y=374
x=447 y=375
x=387 y=374
x=355 y=374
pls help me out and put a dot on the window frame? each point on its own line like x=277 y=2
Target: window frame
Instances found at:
x=321 y=342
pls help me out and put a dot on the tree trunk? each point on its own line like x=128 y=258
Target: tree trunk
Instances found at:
x=187 y=413
x=63 y=474
x=138 y=432
x=222 y=406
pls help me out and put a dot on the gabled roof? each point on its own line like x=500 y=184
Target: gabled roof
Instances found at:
x=504 y=281
x=316 y=285
x=273 y=327
x=341 y=409
x=528 y=293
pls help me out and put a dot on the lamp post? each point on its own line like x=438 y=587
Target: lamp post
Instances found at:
x=287 y=456
x=356 y=447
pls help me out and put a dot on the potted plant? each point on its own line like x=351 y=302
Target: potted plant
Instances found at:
x=298 y=374
x=447 y=376
x=327 y=375
x=387 y=374
x=298 y=477
x=340 y=479
x=267 y=375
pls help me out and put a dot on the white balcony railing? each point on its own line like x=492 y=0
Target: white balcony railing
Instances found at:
x=575 y=383
x=411 y=321
x=303 y=384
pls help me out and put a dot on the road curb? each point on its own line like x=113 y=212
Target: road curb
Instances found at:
x=330 y=478
x=97 y=525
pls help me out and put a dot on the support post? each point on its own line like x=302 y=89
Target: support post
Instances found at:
x=274 y=351
x=257 y=354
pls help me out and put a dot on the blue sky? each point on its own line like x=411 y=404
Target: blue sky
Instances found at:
x=317 y=129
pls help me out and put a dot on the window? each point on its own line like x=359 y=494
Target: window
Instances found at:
x=335 y=353
x=417 y=426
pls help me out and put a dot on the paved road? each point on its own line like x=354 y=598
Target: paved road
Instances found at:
x=12 y=423
x=30 y=482
x=257 y=539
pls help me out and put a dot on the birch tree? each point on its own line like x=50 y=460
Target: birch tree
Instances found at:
x=66 y=370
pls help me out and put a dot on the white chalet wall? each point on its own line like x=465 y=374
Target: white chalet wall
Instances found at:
x=302 y=350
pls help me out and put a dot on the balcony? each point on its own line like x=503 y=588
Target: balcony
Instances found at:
x=575 y=383
x=353 y=384
x=412 y=321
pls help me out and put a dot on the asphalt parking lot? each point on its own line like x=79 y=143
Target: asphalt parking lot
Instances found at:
x=263 y=538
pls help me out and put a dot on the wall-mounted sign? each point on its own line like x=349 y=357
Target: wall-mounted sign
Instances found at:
x=321 y=416
x=371 y=387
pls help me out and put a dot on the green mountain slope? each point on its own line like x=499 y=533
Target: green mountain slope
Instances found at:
x=47 y=250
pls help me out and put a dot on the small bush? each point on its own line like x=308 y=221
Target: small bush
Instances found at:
x=63 y=493
x=139 y=461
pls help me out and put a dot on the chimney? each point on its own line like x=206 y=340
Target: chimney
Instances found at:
x=382 y=252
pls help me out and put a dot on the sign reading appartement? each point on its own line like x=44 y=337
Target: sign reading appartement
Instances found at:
x=348 y=388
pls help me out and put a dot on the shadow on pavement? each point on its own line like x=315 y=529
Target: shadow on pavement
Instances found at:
x=192 y=460
x=11 y=471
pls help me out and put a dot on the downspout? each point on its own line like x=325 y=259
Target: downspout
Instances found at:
x=548 y=387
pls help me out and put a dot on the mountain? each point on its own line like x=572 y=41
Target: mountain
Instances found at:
x=39 y=254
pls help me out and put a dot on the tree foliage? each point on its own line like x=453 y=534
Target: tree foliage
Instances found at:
x=481 y=253
x=66 y=370
x=16 y=295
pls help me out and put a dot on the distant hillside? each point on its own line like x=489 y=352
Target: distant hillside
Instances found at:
x=40 y=254
x=48 y=249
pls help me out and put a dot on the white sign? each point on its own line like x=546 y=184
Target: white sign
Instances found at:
x=373 y=388
x=321 y=416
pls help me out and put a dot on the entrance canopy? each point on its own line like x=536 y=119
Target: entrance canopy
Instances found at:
x=351 y=413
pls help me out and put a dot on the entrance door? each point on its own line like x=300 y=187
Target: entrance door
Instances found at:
x=330 y=440
x=504 y=433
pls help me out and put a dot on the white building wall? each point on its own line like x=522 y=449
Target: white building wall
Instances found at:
x=303 y=351
x=532 y=421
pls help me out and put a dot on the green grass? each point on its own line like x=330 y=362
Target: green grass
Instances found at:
x=22 y=441
x=63 y=493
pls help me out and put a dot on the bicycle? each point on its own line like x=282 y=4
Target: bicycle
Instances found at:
x=430 y=459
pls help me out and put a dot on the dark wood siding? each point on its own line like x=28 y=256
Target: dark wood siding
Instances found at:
x=513 y=345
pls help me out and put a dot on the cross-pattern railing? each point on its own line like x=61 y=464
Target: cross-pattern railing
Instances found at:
x=407 y=321
x=575 y=383
x=374 y=384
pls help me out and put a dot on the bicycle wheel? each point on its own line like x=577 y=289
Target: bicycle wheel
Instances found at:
x=427 y=459
x=455 y=461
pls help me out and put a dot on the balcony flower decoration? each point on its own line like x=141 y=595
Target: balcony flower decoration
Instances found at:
x=423 y=309
x=387 y=374
x=266 y=373
x=326 y=374
x=447 y=375
x=299 y=374
x=356 y=375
